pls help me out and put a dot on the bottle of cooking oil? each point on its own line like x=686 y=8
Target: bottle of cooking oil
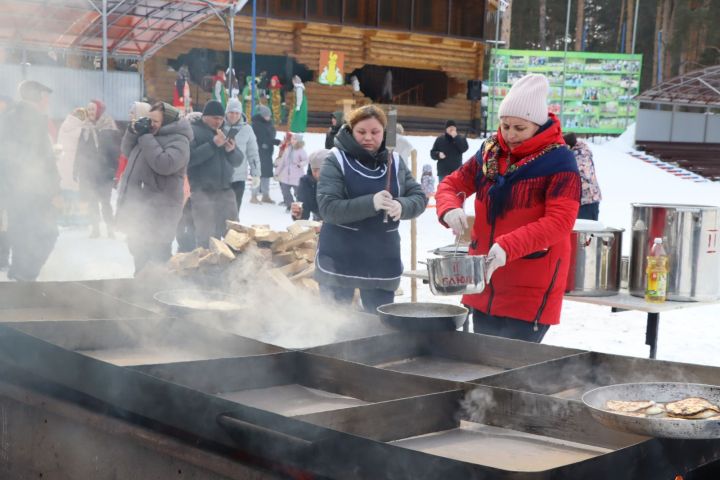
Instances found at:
x=657 y=273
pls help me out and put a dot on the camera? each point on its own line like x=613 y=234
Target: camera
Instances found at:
x=140 y=126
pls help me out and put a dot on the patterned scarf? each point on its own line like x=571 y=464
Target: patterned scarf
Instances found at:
x=521 y=166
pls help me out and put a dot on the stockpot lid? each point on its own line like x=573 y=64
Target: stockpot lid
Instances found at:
x=677 y=206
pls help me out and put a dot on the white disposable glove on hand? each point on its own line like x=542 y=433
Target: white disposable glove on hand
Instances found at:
x=496 y=258
x=380 y=199
x=255 y=182
x=457 y=220
x=394 y=210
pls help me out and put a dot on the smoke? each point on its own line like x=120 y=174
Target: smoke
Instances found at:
x=477 y=405
x=284 y=315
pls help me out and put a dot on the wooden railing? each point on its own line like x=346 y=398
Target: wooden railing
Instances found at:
x=411 y=96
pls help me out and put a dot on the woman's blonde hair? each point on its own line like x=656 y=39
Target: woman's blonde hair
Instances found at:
x=363 y=113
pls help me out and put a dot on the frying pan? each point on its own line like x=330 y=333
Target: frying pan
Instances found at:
x=666 y=427
x=187 y=301
x=419 y=316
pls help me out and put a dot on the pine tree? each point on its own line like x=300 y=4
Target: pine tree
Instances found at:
x=579 y=25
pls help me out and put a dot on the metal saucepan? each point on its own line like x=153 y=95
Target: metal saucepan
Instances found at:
x=195 y=301
x=654 y=426
x=457 y=274
x=419 y=316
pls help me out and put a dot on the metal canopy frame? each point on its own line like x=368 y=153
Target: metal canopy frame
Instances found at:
x=123 y=28
x=700 y=88
x=127 y=28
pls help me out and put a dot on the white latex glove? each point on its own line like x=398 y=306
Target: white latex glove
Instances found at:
x=255 y=182
x=394 y=210
x=496 y=258
x=457 y=220
x=380 y=199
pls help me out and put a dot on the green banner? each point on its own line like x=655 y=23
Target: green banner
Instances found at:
x=591 y=92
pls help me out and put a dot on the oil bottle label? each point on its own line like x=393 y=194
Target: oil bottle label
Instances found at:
x=656 y=284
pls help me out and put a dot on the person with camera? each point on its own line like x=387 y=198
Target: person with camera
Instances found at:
x=150 y=194
x=213 y=159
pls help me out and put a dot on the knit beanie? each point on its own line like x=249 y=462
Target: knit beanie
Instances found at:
x=450 y=123
x=170 y=113
x=234 y=105
x=263 y=111
x=213 y=108
x=318 y=157
x=527 y=99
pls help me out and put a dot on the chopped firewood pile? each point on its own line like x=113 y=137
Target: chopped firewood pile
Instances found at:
x=290 y=254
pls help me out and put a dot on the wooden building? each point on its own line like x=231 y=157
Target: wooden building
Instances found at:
x=432 y=47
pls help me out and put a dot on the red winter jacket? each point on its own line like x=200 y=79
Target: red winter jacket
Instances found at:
x=534 y=231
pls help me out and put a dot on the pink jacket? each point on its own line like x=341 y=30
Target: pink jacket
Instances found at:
x=291 y=166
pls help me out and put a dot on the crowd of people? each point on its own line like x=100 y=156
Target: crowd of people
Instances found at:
x=181 y=176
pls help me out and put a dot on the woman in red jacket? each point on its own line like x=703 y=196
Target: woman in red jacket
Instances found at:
x=527 y=190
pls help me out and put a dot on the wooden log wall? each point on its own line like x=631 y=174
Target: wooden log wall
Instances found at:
x=460 y=59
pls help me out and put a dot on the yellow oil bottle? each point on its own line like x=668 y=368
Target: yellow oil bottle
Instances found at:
x=657 y=273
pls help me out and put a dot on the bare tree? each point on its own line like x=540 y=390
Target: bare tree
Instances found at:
x=542 y=17
x=658 y=28
x=506 y=25
x=621 y=19
x=629 y=16
x=580 y=25
x=667 y=34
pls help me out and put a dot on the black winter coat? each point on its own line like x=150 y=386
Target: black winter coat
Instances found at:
x=28 y=168
x=453 y=148
x=211 y=167
x=265 y=135
x=333 y=130
x=307 y=194
x=95 y=164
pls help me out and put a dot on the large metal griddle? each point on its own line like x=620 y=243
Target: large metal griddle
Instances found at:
x=516 y=435
x=572 y=376
x=39 y=301
x=138 y=342
x=454 y=356
x=294 y=383
x=355 y=442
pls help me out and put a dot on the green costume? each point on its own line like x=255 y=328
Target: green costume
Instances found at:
x=298 y=122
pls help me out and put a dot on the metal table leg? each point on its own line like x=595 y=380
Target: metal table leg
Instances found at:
x=651 y=332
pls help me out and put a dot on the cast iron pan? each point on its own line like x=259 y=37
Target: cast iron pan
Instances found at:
x=423 y=316
x=654 y=426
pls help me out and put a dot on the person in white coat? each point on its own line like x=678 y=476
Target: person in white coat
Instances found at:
x=246 y=142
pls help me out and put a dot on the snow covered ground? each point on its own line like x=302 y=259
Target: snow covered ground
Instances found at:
x=690 y=335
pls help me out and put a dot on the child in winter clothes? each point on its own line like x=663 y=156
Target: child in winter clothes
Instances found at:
x=427 y=181
x=290 y=168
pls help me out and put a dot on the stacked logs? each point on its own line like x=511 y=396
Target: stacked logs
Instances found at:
x=289 y=255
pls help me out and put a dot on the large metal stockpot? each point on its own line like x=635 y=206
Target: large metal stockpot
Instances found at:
x=595 y=262
x=690 y=237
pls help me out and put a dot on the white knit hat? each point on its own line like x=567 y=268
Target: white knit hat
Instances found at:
x=527 y=99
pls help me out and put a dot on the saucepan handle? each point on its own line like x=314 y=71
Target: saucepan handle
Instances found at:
x=261 y=434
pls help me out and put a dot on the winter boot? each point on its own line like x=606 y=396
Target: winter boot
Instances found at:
x=254 y=199
x=267 y=199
